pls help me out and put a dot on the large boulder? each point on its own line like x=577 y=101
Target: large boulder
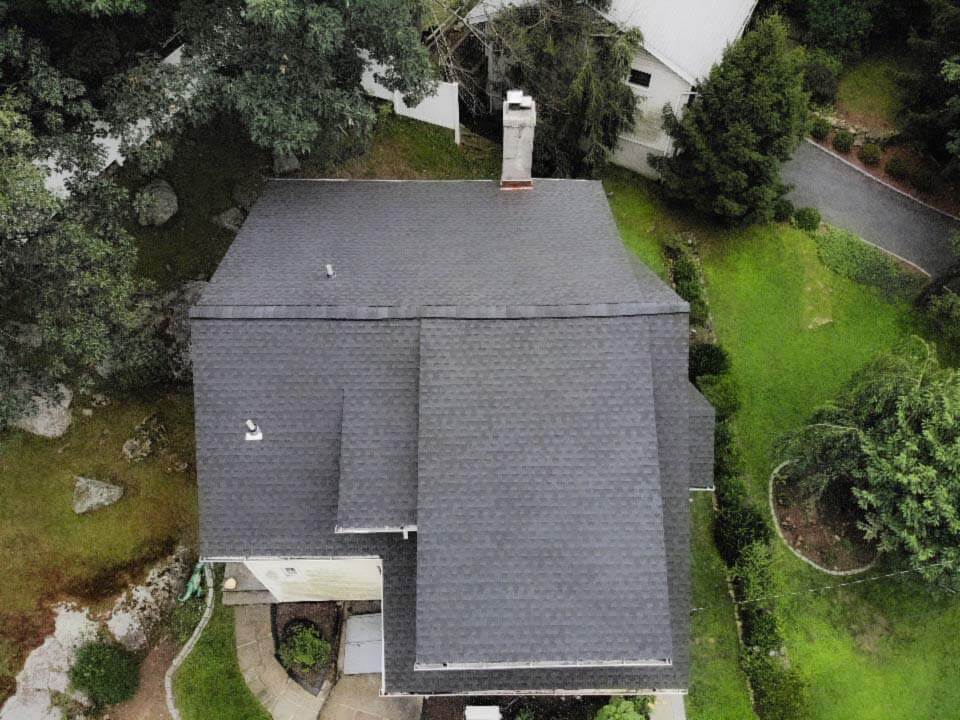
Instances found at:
x=156 y=203
x=90 y=494
x=138 y=615
x=284 y=164
x=48 y=415
x=46 y=671
x=230 y=219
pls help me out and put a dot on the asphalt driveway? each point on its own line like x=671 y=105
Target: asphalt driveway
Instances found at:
x=848 y=199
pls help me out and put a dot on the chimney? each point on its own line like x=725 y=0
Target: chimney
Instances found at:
x=519 y=123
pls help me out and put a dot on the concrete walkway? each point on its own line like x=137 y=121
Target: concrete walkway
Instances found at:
x=282 y=697
x=357 y=697
x=849 y=199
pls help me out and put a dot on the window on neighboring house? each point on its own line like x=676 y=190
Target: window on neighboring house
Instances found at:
x=639 y=77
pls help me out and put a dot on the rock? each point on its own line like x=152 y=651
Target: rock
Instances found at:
x=230 y=219
x=283 y=164
x=149 y=435
x=138 y=614
x=87 y=412
x=156 y=203
x=90 y=494
x=45 y=672
x=99 y=400
x=246 y=191
x=48 y=415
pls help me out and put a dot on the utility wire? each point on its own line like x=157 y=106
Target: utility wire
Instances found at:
x=824 y=588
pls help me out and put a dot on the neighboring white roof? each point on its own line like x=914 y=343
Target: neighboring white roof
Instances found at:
x=688 y=36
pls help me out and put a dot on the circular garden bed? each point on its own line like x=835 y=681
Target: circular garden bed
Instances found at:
x=822 y=531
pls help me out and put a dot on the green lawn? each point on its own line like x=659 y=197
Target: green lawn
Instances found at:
x=718 y=688
x=47 y=552
x=795 y=332
x=870 y=94
x=209 y=684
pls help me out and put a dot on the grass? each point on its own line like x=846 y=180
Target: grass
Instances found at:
x=796 y=331
x=47 y=552
x=209 y=683
x=718 y=688
x=869 y=93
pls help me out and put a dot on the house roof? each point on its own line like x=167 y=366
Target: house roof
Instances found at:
x=688 y=36
x=430 y=249
x=582 y=414
x=540 y=533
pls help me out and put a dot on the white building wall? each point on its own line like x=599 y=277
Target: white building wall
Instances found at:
x=648 y=137
x=315 y=580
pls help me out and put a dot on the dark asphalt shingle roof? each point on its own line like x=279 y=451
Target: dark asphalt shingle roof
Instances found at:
x=540 y=531
x=702 y=421
x=429 y=249
x=339 y=404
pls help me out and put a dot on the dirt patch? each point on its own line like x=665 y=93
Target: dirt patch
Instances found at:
x=555 y=708
x=325 y=616
x=825 y=530
x=150 y=702
x=868 y=634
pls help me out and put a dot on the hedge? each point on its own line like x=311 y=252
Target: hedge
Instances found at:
x=686 y=280
x=847 y=255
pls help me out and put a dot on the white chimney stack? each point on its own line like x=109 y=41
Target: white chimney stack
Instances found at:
x=519 y=123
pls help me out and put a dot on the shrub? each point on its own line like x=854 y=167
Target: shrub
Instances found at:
x=721 y=391
x=686 y=279
x=944 y=311
x=779 y=692
x=847 y=255
x=625 y=709
x=807 y=218
x=820 y=129
x=526 y=713
x=783 y=210
x=843 y=141
x=708 y=359
x=897 y=168
x=737 y=527
x=752 y=581
x=870 y=154
x=108 y=673
x=821 y=76
x=303 y=648
x=924 y=180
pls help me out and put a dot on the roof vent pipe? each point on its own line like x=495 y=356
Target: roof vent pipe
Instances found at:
x=253 y=431
x=330 y=272
x=519 y=124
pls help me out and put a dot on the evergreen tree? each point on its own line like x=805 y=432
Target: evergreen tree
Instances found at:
x=747 y=117
x=892 y=439
x=575 y=65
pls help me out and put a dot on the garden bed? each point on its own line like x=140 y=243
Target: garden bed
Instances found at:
x=823 y=531
x=325 y=616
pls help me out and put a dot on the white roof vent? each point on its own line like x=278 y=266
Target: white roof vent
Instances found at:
x=253 y=431
x=330 y=272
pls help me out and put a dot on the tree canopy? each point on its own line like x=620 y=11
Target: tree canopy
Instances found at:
x=893 y=438
x=575 y=64
x=747 y=117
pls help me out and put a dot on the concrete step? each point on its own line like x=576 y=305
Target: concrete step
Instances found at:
x=248 y=597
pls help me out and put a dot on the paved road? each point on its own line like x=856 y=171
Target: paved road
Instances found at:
x=848 y=199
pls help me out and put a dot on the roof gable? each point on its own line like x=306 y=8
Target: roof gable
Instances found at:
x=540 y=526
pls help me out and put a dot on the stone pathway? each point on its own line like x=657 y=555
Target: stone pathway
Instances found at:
x=357 y=697
x=282 y=697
